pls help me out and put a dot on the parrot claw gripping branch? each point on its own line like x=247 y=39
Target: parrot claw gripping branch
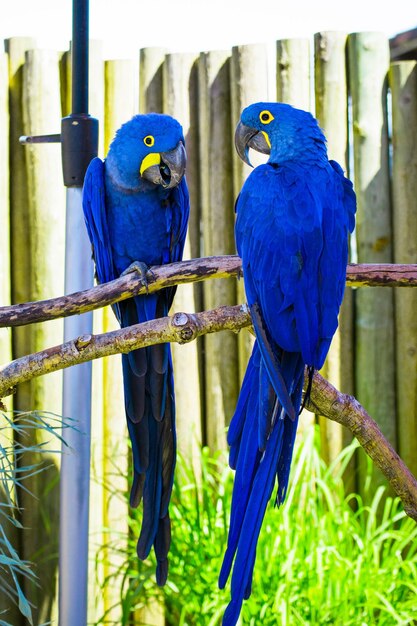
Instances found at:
x=136 y=208
x=294 y=216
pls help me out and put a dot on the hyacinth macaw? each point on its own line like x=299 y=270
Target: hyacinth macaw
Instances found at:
x=136 y=208
x=294 y=215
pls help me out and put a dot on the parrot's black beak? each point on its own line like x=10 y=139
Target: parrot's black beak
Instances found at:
x=245 y=138
x=169 y=172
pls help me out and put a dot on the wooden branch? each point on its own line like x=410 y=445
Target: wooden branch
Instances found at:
x=195 y=270
x=158 y=277
x=381 y=275
x=328 y=401
x=182 y=328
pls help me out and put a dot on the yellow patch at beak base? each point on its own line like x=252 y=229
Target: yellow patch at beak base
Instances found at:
x=265 y=134
x=153 y=158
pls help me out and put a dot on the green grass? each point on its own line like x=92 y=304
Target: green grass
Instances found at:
x=323 y=557
x=16 y=440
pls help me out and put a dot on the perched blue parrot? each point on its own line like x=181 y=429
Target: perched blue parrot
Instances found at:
x=136 y=208
x=294 y=215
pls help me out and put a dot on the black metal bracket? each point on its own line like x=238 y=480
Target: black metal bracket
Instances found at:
x=79 y=140
x=79 y=131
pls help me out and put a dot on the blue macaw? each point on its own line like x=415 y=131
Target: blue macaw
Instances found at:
x=136 y=208
x=294 y=215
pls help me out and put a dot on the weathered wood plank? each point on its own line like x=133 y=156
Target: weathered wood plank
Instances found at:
x=221 y=356
x=374 y=326
x=331 y=111
x=403 y=83
x=293 y=72
x=44 y=277
x=7 y=609
x=151 y=62
x=180 y=101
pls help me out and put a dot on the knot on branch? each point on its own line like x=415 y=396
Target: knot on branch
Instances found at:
x=185 y=327
x=83 y=341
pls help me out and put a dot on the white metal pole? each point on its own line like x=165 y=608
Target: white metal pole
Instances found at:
x=75 y=462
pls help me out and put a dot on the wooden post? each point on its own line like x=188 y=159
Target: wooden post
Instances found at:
x=293 y=72
x=180 y=101
x=150 y=79
x=42 y=278
x=11 y=612
x=374 y=359
x=331 y=112
x=221 y=356
x=5 y=287
x=19 y=233
x=403 y=83
x=119 y=107
x=249 y=84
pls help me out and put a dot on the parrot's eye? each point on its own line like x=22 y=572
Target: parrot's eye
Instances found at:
x=149 y=140
x=266 y=117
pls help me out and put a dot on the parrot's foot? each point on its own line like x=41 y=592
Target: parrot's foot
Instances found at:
x=142 y=270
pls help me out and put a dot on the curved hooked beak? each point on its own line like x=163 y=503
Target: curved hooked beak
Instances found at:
x=246 y=137
x=165 y=168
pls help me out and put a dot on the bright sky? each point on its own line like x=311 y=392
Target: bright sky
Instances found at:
x=125 y=26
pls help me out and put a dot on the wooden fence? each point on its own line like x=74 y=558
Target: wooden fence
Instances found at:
x=368 y=110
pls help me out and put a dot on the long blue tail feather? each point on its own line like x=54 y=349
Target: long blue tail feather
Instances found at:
x=150 y=412
x=262 y=445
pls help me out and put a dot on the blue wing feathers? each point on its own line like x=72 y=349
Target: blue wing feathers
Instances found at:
x=94 y=206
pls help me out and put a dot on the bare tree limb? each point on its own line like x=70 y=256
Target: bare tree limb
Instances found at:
x=182 y=328
x=328 y=401
x=195 y=270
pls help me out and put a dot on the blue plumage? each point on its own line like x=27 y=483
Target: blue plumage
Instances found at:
x=136 y=208
x=294 y=214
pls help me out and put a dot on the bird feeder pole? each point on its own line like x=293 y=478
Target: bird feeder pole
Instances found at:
x=79 y=141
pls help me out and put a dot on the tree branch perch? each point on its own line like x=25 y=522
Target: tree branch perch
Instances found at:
x=195 y=270
x=182 y=328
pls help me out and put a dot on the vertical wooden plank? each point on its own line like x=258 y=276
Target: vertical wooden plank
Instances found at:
x=19 y=233
x=120 y=89
x=331 y=111
x=8 y=610
x=5 y=287
x=249 y=83
x=374 y=326
x=293 y=72
x=179 y=90
x=403 y=82
x=150 y=79
x=221 y=356
x=45 y=275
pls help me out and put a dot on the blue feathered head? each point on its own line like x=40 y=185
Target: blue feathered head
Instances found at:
x=280 y=130
x=147 y=150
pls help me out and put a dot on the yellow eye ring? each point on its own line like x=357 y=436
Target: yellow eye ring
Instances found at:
x=149 y=141
x=266 y=117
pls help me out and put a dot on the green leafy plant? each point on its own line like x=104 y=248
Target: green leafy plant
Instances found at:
x=323 y=557
x=15 y=444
